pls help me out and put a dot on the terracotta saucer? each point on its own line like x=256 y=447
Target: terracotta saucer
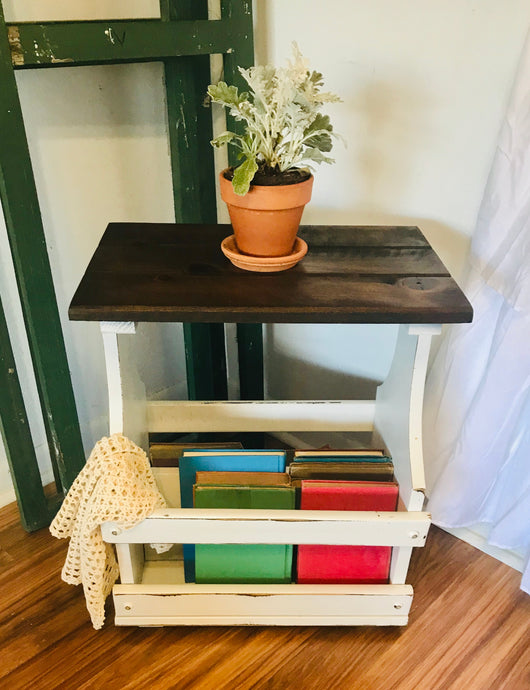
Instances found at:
x=263 y=264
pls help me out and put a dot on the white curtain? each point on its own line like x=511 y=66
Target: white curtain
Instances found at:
x=477 y=400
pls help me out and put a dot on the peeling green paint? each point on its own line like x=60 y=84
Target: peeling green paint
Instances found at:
x=15 y=46
x=135 y=40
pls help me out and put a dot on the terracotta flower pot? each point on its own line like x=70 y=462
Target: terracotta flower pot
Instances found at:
x=266 y=219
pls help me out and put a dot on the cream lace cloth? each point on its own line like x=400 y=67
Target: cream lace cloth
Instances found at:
x=116 y=484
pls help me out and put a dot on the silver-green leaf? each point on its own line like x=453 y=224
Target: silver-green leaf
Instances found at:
x=279 y=119
x=243 y=176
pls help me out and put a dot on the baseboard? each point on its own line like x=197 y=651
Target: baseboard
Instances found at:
x=8 y=496
x=476 y=536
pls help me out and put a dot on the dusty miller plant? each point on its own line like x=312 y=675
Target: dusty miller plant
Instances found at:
x=284 y=127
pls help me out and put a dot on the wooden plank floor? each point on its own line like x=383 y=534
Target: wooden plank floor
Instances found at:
x=469 y=629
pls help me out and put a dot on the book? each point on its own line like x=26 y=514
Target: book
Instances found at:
x=332 y=469
x=227 y=461
x=349 y=495
x=347 y=454
x=243 y=496
x=239 y=478
x=353 y=452
x=198 y=460
x=243 y=563
x=345 y=564
x=223 y=452
x=168 y=454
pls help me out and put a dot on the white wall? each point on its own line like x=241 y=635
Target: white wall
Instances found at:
x=424 y=86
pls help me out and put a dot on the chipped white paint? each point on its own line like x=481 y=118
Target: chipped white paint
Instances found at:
x=225 y=526
x=127 y=412
x=259 y=415
x=399 y=407
x=15 y=46
x=398 y=420
x=262 y=604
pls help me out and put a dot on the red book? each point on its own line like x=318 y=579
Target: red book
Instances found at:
x=330 y=564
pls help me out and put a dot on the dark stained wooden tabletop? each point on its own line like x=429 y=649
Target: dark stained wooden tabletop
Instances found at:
x=351 y=274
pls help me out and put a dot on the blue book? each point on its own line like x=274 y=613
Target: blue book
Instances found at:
x=200 y=460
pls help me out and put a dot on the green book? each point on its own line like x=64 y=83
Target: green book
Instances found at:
x=244 y=563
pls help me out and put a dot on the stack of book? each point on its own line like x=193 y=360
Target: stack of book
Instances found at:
x=220 y=460
x=344 y=480
x=245 y=563
x=367 y=465
x=233 y=477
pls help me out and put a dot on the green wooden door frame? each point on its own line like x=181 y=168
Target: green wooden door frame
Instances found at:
x=35 y=285
x=183 y=41
x=35 y=510
x=249 y=336
x=192 y=162
x=192 y=168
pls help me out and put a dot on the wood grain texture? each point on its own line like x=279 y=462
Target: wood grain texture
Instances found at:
x=168 y=272
x=469 y=628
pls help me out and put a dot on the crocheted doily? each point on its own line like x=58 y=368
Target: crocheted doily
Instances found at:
x=116 y=484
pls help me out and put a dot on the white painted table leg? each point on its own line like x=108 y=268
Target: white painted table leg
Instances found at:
x=131 y=563
x=398 y=410
x=398 y=423
x=127 y=399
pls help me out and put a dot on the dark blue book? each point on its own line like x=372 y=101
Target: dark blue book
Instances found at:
x=193 y=461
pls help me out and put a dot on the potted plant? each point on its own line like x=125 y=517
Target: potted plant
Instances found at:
x=284 y=135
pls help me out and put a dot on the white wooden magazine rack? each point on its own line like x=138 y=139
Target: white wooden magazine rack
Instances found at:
x=153 y=592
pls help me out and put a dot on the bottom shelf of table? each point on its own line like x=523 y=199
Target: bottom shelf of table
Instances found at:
x=153 y=592
x=191 y=604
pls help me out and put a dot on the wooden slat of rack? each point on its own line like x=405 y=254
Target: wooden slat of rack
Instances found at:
x=280 y=527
